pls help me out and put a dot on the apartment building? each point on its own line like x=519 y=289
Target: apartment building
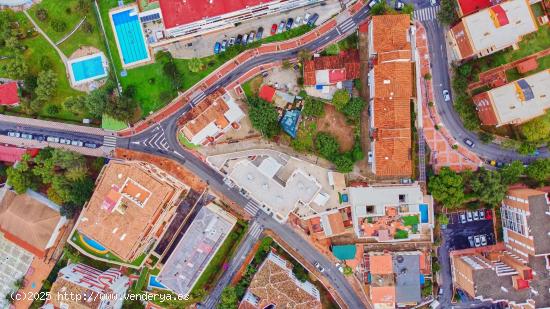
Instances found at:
x=82 y=286
x=515 y=102
x=392 y=213
x=517 y=270
x=391 y=90
x=132 y=204
x=492 y=29
x=274 y=285
x=196 y=17
x=211 y=118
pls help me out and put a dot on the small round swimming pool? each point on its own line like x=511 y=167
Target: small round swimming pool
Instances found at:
x=93 y=245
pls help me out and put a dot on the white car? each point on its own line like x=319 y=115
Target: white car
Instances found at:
x=475 y=215
x=306 y=18
x=471 y=241
x=14 y=134
x=446 y=95
x=77 y=143
x=481 y=214
x=462 y=217
x=469 y=216
x=477 y=240
x=298 y=21
x=483 y=240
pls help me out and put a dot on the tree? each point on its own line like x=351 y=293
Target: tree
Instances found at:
x=20 y=177
x=488 y=186
x=327 y=146
x=512 y=172
x=58 y=25
x=42 y=14
x=121 y=108
x=442 y=219
x=537 y=129
x=427 y=76
x=380 y=8
x=527 y=148
x=485 y=137
x=46 y=83
x=76 y=105
x=332 y=49
x=340 y=99
x=87 y=27
x=83 y=6
x=195 y=65
x=264 y=117
x=303 y=55
x=52 y=109
x=77 y=172
x=313 y=107
x=96 y=102
x=12 y=44
x=343 y=164
x=171 y=70
x=17 y=68
x=81 y=191
x=539 y=170
x=299 y=272
x=447 y=188
x=447 y=12
x=228 y=298
x=354 y=108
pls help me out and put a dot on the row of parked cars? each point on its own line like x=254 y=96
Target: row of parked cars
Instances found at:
x=52 y=139
x=475 y=215
x=247 y=38
x=477 y=240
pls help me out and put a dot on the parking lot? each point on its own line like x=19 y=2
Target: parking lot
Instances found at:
x=203 y=45
x=469 y=229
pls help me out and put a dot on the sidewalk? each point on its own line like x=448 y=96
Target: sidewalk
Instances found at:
x=436 y=135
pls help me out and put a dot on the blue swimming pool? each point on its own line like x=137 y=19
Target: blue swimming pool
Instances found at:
x=424 y=213
x=92 y=243
x=153 y=283
x=88 y=69
x=130 y=39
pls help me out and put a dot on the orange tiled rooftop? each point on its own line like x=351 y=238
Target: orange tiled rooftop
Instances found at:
x=389 y=32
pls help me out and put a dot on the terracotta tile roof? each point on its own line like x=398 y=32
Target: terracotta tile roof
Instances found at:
x=348 y=60
x=9 y=94
x=393 y=156
x=214 y=113
x=274 y=284
x=336 y=223
x=394 y=55
x=462 y=39
x=485 y=109
x=61 y=286
x=391 y=32
x=381 y=264
x=395 y=113
x=524 y=193
x=123 y=224
x=393 y=79
x=382 y=294
x=27 y=221
x=527 y=65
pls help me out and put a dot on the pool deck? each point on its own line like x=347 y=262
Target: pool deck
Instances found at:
x=134 y=64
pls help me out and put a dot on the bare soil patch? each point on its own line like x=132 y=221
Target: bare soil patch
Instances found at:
x=335 y=123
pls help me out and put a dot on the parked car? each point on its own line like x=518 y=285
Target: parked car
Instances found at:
x=90 y=145
x=273 y=29
x=26 y=136
x=483 y=240
x=373 y=3
x=260 y=33
x=433 y=2
x=231 y=41
x=399 y=5
x=319 y=267
x=471 y=241
x=306 y=18
x=469 y=216
x=311 y=22
x=475 y=215
x=239 y=39
x=245 y=39
x=52 y=139
x=281 y=27
x=251 y=37
x=446 y=95
x=339 y=267
x=477 y=240
x=14 y=134
x=217 y=47
x=298 y=21
x=289 y=23
x=370 y=157
x=481 y=214
x=405 y=181
x=488 y=214
x=224 y=45
x=462 y=217
x=469 y=143
x=77 y=143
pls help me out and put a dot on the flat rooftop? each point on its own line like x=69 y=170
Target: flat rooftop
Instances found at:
x=380 y=197
x=196 y=248
x=523 y=99
x=261 y=183
x=501 y=25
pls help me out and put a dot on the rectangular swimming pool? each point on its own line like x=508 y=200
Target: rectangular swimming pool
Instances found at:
x=88 y=69
x=129 y=36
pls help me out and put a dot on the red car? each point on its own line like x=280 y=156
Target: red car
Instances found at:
x=273 y=29
x=488 y=214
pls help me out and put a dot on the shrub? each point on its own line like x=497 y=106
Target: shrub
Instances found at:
x=87 y=27
x=52 y=110
x=42 y=14
x=58 y=25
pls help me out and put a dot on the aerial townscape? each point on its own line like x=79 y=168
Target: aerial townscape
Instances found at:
x=262 y=154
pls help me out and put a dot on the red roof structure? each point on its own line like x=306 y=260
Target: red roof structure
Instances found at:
x=8 y=94
x=180 y=12
x=468 y=7
x=527 y=65
x=485 y=110
x=267 y=93
x=11 y=154
x=345 y=66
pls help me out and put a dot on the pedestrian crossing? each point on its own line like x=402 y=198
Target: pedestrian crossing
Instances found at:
x=346 y=26
x=252 y=207
x=429 y=13
x=197 y=97
x=255 y=230
x=109 y=141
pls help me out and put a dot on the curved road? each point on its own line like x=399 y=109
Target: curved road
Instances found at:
x=449 y=117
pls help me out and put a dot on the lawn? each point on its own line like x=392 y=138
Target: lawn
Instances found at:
x=410 y=220
x=109 y=123
x=513 y=74
x=185 y=142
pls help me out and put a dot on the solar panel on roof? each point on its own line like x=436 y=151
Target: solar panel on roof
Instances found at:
x=526 y=89
x=149 y=18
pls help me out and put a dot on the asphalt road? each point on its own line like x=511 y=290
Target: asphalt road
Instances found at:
x=450 y=118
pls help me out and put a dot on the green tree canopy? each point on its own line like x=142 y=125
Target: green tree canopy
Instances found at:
x=195 y=65
x=264 y=117
x=537 y=129
x=343 y=164
x=447 y=13
x=121 y=108
x=488 y=186
x=512 y=172
x=539 y=170
x=17 y=68
x=313 y=107
x=447 y=188
x=228 y=298
x=46 y=83
x=353 y=109
x=20 y=176
x=327 y=146
x=340 y=99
